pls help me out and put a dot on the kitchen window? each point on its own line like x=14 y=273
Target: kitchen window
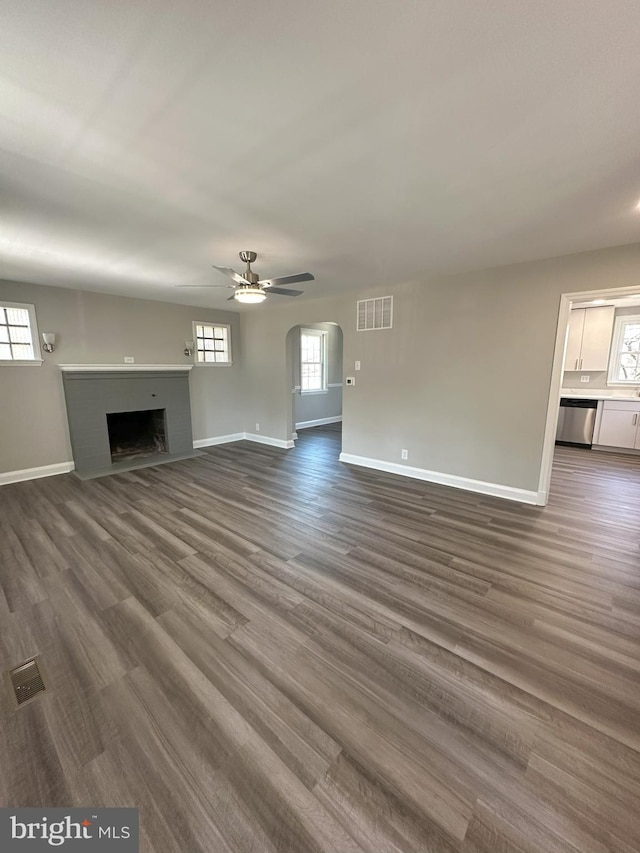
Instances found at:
x=624 y=363
x=313 y=361
x=18 y=334
x=213 y=343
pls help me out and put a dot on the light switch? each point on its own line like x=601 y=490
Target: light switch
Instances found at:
x=129 y=359
x=357 y=365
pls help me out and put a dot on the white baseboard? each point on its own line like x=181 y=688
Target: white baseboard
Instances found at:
x=494 y=489
x=265 y=439
x=35 y=473
x=319 y=422
x=218 y=439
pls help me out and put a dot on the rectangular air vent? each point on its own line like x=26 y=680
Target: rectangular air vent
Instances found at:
x=26 y=681
x=374 y=313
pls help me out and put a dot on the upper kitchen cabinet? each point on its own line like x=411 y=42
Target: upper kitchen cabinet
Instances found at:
x=589 y=338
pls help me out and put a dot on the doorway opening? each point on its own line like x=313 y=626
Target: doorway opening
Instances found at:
x=314 y=361
x=604 y=384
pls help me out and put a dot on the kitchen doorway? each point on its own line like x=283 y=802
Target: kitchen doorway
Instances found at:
x=619 y=298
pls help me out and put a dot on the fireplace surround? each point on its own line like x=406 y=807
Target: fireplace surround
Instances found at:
x=127 y=417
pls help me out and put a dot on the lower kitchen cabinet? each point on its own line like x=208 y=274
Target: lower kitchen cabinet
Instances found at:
x=620 y=425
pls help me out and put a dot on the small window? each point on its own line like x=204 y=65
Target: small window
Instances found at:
x=18 y=333
x=313 y=361
x=624 y=363
x=374 y=314
x=213 y=344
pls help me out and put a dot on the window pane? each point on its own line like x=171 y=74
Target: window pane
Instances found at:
x=631 y=340
x=19 y=335
x=208 y=331
x=208 y=344
x=22 y=351
x=209 y=356
x=18 y=316
x=5 y=351
x=199 y=331
x=4 y=334
x=628 y=367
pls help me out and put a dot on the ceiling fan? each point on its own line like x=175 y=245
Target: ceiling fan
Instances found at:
x=249 y=288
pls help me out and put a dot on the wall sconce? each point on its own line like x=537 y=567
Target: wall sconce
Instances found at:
x=48 y=341
x=188 y=347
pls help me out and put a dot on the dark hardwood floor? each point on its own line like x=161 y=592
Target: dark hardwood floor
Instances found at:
x=268 y=651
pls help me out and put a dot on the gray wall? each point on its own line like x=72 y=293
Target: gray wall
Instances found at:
x=100 y=329
x=462 y=380
x=311 y=407
x=597 y=380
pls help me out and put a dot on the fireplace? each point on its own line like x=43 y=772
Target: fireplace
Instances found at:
x=123 y=417
x=135 y=434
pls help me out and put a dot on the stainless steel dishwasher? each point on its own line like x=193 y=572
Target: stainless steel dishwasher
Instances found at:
x=576 y=421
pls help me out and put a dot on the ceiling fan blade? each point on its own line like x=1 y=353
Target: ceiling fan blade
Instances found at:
x=206 y=285
x=281 y=291
x=232 y=274
x=286 y=279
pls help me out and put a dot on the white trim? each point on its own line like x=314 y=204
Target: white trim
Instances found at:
x=107 y=368
x=335 y=385
x=35 y=473
x=31 y=362
x=494 y=489
x=319 y=422
x=218 y=439
x=265 y=439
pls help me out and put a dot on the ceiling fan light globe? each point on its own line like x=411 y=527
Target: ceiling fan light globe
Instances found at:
x=250 y=295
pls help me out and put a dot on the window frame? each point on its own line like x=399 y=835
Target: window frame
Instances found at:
x=324 y=367
x=36 y=361
x=616 y=350
x=212 y=325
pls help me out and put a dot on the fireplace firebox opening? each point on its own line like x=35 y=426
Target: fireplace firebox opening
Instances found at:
x=136 y=434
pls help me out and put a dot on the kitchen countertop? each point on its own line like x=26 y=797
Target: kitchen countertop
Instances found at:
x=630 y=396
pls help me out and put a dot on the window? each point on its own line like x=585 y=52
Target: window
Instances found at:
x=313 y=361
x=374 y=313
x=18 y=333
x=624 y=362
x=213 y=344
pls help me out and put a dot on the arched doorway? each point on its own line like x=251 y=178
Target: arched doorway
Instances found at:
x=315 y=373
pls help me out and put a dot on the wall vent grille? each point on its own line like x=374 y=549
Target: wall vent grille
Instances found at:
x=26 y=681
x=373 y=314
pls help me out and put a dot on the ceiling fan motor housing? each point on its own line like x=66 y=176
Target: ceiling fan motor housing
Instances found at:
x=248 y=274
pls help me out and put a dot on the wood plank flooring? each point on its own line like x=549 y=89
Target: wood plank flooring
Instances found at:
x=268 y=651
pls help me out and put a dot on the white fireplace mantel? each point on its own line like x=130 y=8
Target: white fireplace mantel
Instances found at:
x=96 y=368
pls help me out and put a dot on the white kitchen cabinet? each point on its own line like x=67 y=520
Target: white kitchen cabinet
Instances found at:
x=589 y=338
x=620 y=425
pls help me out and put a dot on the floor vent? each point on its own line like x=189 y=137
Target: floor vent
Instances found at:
x=26 y=681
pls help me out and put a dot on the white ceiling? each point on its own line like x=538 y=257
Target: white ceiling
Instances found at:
x=369 y=142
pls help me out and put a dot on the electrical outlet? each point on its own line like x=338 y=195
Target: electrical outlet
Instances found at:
x=357 y=365
x=585 y=377
x=350 y=380
x=257 y=427
x=404 y=454
x=129 y=359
